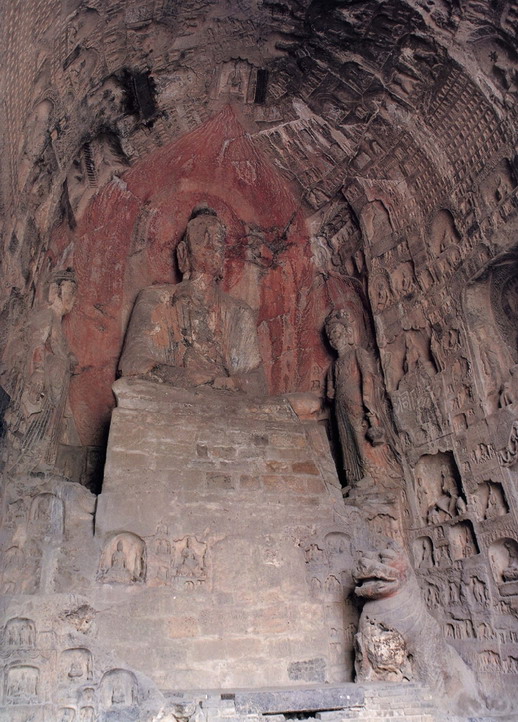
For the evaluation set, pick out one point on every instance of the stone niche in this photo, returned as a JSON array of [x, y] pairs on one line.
[[491, 307], [503, 556], [438, 489], [210, 570]]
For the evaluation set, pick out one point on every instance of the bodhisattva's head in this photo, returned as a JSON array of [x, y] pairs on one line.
[[202, 249], [342, 331], [62, 291]]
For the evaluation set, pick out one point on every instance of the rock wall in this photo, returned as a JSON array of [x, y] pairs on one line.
[[362, 158]]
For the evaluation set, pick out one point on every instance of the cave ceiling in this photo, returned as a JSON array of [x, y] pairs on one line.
[[330, 90]]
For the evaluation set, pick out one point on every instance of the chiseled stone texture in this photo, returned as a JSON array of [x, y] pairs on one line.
[[209, 501]]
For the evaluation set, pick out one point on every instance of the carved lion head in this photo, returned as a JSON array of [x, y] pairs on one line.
[[381, 574]]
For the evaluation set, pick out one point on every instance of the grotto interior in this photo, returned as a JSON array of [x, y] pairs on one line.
[[259, 373]]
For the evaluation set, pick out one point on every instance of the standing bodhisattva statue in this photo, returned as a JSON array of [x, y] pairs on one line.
[[44, 408], [192, 333], [351, 384]]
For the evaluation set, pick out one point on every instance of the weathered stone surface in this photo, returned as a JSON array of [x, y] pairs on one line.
[[361, 156], [301, 700], [225, 559]]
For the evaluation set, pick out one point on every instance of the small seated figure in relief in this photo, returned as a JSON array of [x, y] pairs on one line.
[[118, 696], [193, 334], [76, 671], [123, 560], [118, 570], [351, 384], [191, 564], [510, 573]]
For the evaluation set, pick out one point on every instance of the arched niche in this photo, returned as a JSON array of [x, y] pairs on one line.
[[338, 543], [123, 559], [20, 633], [119, 689], [463, 542], [47, 514], [490, 500], [76, 665], [22, 684], [380, 291]]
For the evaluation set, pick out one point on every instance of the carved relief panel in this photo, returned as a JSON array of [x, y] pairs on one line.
[[123, 560], [503, 555], [174, 561], [76, 665], [118, 689], [328, 569], [21, 684], [438, 489], [19, 633], [490, 501]]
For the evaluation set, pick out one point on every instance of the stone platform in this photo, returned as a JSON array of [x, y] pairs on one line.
[[381, 702], [211, 571]]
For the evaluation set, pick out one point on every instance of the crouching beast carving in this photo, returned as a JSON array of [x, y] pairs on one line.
[[399, 640]]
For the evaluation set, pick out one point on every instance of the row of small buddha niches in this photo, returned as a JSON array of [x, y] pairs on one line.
[[259, 383]]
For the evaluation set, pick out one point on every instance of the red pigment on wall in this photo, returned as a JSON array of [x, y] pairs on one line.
[[126, 238]]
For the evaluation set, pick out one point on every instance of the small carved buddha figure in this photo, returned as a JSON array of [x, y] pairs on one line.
[[75, 671], [191, 563], [118, 557], [193, 334], [118, 570], [381, 294], [510, 573], [118, 694]]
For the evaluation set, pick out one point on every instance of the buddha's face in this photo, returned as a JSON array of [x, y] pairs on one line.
[[204, 240], [342, 335]]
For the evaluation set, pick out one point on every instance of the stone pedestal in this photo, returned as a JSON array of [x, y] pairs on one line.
[[208, 526]]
